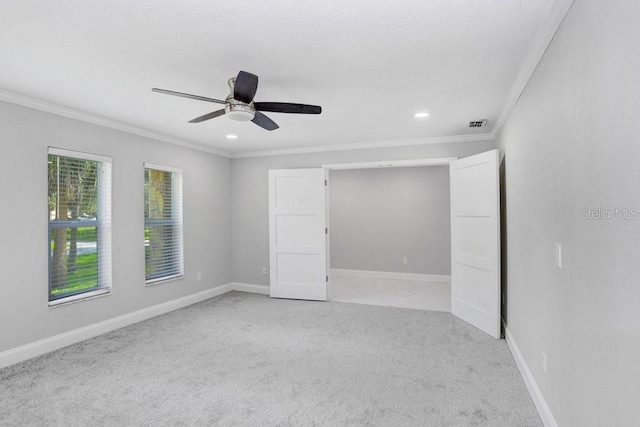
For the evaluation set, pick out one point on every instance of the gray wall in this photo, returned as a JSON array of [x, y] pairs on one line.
[[250, 198], [379, 216], [573, 143], [24, 136]]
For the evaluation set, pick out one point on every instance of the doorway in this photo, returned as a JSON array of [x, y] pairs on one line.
[[299, 239], [390, 241]]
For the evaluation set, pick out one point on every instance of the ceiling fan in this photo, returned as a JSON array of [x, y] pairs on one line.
[[239, 104]]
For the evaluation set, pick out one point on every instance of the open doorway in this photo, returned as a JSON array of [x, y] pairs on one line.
[[299, 237], [390, 235]]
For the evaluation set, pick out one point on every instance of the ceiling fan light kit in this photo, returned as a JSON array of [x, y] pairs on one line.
[[240, 113], [239, 105]]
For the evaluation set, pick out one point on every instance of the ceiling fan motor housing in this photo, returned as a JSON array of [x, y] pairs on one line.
[[238, 110]]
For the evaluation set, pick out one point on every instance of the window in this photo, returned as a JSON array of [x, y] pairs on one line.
[[79, 200], [162, 223]]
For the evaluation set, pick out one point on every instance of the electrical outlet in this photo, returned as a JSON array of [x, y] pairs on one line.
[[544, 363], [198, 276], [264, 271], [558, 255], [404, 260]]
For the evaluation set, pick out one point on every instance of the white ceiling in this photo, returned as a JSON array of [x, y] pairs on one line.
[[370, 64]]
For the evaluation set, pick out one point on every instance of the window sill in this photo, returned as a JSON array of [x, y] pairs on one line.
[[80, 297], [161, 280]]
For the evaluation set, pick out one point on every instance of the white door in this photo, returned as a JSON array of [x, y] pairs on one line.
[[297, 242], [475, 241]]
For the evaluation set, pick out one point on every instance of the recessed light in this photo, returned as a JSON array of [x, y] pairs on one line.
[[421, 115], [232, 136]]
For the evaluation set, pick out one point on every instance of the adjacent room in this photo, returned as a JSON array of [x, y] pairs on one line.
[[275, 213], [390, 236]]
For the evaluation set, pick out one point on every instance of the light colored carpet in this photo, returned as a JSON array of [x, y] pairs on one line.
[[245, 359], [418, 294]]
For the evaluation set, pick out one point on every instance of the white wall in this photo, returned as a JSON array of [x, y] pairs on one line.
[[380, 216], [250, 201], [24, 136], [573, 143]]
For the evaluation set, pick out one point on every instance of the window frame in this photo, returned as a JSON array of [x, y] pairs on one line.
[[102, 224], [176, 221]]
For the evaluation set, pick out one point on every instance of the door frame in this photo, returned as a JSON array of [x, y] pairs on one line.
[[326, 168], [441, 161]]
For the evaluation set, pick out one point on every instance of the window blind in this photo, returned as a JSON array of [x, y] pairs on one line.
[[163, 223], [79, 209]]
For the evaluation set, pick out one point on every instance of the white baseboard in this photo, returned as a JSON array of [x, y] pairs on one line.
[[392, 275], [248, 287], [28, 351], [534, 391]]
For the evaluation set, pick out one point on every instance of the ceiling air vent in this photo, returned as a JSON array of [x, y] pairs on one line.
[[478, 124]]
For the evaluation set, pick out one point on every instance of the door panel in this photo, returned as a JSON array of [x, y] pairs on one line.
[[296, 269], [295, 191], [296, 230], [475, 241]]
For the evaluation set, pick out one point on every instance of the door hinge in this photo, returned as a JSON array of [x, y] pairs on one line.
[[327, 279], [325, 183], [326, 231]]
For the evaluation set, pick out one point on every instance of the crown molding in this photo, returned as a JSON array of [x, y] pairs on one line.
[[364, 145], [59, 110], [546, 32]]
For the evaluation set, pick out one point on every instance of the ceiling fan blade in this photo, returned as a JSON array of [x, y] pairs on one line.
[[264, 121], [208, 116], [245, 87], [287, 107], [187, 95]]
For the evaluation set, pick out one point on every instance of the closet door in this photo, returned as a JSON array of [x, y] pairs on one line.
[[475, 241], [297, 239]]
